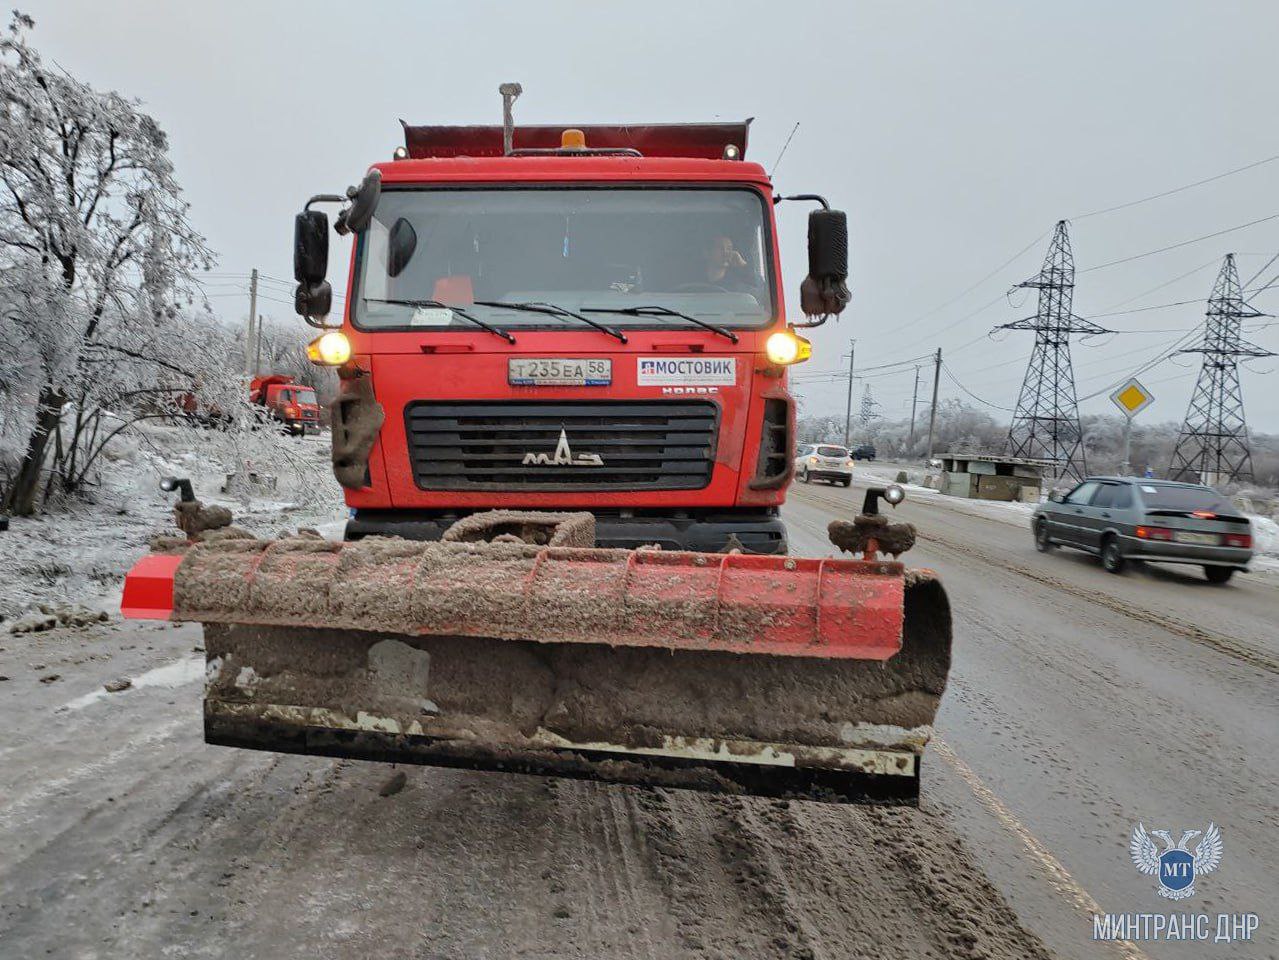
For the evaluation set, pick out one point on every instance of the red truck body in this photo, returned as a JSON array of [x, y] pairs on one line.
[[293, 404], [452, 412]]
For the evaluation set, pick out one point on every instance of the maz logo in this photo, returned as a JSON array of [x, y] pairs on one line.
[[563, 456]]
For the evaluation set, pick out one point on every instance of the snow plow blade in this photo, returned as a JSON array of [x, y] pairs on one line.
[[722, 672]]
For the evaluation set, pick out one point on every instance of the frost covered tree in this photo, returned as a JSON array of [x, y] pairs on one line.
[[97, 263]]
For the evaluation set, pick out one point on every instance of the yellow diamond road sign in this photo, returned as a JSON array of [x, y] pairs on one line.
[[1132, 398]]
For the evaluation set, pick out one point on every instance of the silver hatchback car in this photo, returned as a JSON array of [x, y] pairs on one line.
[[1126, 518]]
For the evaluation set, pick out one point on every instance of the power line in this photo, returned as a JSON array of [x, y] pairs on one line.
[[1146, 309], [963, 293], [1166, 283], [1169, 193], [1175, 246], [1163, 355], [955, 380], [843, 374], [1159, 358], [1261, 271], [1084, 216]]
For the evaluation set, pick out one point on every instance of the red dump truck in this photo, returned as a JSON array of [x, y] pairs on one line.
[[564, 433], [292, 404]]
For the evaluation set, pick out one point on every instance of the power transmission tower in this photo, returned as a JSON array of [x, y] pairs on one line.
[[1046, 422], [868, 406], [1212, 446]]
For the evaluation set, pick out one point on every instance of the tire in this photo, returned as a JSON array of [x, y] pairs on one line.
[[1219, 574], [848, 483], [1042, 541], [1112, 555], [805, 478]]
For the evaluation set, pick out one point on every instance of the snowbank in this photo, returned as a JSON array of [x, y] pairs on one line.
[[79, 553], [1015, 513], [1265, 536], [1265, 543]]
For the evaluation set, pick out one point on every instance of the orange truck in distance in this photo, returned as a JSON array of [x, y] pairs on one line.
[[292, 404]]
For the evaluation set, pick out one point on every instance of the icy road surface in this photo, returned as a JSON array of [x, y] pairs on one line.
[[1080, 703]]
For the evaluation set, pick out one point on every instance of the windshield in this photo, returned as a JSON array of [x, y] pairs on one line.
[[303, 395], [837, 452], [702, 252], [1158, 496]]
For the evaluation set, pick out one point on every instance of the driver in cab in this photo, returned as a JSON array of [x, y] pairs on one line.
[[725, 268]]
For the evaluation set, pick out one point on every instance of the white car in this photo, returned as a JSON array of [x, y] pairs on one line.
[[824, 461]]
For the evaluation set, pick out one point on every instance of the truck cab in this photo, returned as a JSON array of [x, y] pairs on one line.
[[591, 320]]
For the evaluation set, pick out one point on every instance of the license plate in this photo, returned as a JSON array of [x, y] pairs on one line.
[[559, 372], [1203, 539]]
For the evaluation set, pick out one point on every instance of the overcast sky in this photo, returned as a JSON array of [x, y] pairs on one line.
[[954, 134]]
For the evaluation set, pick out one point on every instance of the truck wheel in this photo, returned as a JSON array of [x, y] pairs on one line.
[[1042, 542], [1112, 557], [1219, 574]]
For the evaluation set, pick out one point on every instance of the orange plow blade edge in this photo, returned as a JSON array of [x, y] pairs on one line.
[[779, 676]]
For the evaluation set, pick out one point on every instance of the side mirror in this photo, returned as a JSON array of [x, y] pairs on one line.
[[357, 217], [1056, 496], [310, 247], [824, 292], [401, 244]]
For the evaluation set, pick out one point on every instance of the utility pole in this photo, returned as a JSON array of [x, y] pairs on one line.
[[1125, 468], [848, 407], [914, 402], [932, 413], [257, 356], [253, 312]]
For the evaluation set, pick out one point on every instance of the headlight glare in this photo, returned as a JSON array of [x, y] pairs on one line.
[[331, 349], [786, 347]]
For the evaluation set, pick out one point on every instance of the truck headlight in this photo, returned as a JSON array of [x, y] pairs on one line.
[[786, 347], [331, 349]]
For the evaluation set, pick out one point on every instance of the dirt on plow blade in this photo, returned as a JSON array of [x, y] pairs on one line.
[[728, 673]]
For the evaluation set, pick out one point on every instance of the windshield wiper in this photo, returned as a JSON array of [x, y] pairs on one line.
[[554, 310], [660, 311], [496, 331]]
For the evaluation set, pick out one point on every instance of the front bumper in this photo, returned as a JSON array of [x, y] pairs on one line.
[[756, 532]]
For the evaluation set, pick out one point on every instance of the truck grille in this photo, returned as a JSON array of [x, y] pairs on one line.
[[531, 445]]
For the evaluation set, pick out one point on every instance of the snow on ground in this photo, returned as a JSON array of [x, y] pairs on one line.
[[1265, 543], [1017, 514], [80, 551]]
